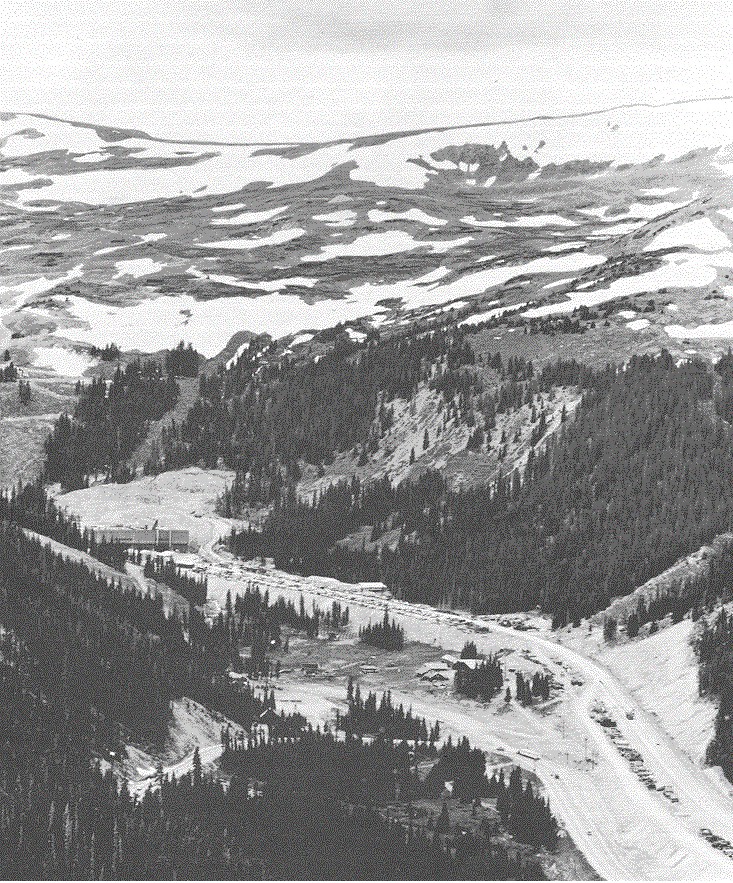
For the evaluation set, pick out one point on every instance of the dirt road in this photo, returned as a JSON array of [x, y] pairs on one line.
[[624, 829]]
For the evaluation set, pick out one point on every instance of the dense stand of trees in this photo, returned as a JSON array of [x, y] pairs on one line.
[[183, 361], [8, 373], [265, 415], [255, 622], [108, 353], [462, 765], [724, 393], [86, 665], [110, 420], [526, 814], [639, 477], [482, 682], [61, 817], [714, 648], [302, 534], [693, 592], [112, 648], [368, 715], [387, 634], [538, 686], [164, 570], [24, 391], [362, 777], [30, 507]]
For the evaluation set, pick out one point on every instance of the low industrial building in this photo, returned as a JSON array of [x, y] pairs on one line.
[[155, 539], [378, 588]]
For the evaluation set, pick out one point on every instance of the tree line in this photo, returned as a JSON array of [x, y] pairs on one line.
[[86, 666], [638, 478], [482, 682], [110, 420], [387, 634], [29, 506], [714, 650], [368, 715], [164, 570], [268, 413]]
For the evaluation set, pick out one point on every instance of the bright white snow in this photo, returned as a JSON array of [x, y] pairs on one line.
[[491, 314], [701, 234], [677, 271], [162, 322], [564, 246], [627, 135], [389, 242], [272, 285], [249, 217], [414, 214], [24, 291], [337, 219], [722, 330], [279, 237], [137, 267], [63, 361]]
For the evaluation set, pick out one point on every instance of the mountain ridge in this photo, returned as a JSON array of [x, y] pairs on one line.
[[125, 132]]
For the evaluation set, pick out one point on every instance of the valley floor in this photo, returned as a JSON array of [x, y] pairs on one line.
[[625, 828], [634, 797]]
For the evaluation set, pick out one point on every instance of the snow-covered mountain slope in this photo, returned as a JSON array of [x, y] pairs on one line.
[[120, 166], [111, 235]]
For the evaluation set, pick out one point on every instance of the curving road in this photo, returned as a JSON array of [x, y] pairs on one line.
[[625, 830]]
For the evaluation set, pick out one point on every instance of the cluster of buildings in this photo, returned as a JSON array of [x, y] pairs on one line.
[[441, 671]]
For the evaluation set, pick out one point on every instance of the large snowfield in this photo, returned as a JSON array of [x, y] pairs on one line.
[[633, 134], [197, 242]]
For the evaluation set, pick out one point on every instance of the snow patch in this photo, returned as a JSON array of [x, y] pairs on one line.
[[279, 237], [337, 219], [678, 271], [62, 361], [161, 323], [414, 214], [374, 244], [701, 234], [564, 246], [137, 267], [722, 330], [491, 314], [249, 217]]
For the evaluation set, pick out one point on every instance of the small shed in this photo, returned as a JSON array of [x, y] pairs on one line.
[[437, 677], [471, 664], [379, 588], [428, 667]]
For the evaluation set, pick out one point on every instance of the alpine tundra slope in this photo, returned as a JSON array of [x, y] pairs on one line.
[[115, 236], [625, 829]]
